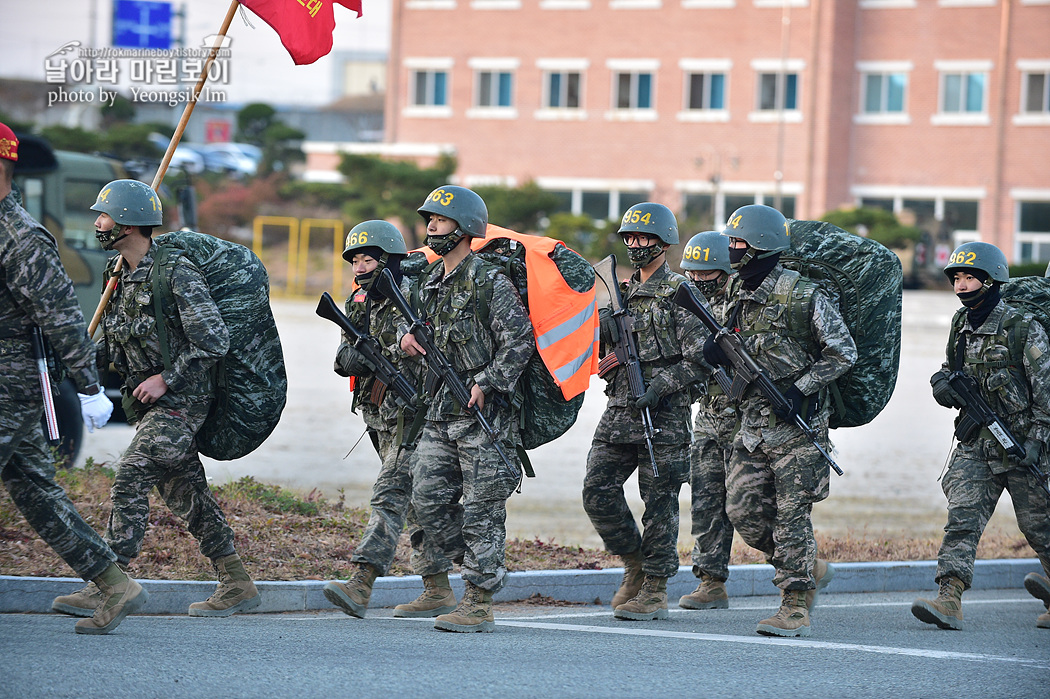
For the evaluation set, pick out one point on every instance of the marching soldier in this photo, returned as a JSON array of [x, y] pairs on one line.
[[1006, 352], [371, 247], [36, 293], [705, 261], [798, 337], [482, 328], [168, 407], [670, 347]]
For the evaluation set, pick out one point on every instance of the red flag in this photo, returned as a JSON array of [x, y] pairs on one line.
[[305, 26]]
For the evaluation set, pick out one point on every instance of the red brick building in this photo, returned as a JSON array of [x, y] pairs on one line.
[[939, 107]]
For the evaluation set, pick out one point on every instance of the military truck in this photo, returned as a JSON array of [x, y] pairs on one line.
[[57, 188]]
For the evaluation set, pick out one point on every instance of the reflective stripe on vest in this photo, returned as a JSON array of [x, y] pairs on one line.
[[565, 321]]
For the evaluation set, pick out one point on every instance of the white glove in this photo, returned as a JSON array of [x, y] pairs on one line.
[[95, 409]]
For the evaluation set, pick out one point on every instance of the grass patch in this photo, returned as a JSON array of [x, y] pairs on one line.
[[285, 535]]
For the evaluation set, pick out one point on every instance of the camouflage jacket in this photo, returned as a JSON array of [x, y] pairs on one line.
[[197, 335], [717, 416], [380, 319], [808, 357], [35, 290], [488, 349], [1018, 391], [670, 344]]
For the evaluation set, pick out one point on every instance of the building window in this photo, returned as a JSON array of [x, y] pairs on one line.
[[562, 90], [963, 92], [494, 88], [633, 90], [773, 97], [1036, 93], [705, 91], [884, 93], [430, 88]]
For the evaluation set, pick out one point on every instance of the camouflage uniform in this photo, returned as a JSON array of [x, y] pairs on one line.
[[389, 425], [670, 346], [775, 473], [980, 470], [35, 290], [163, 452], [454, 458], [713, 432]]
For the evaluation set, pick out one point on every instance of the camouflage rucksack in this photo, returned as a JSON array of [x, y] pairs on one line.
[[865, 280], [1027, 295], [251, 385]]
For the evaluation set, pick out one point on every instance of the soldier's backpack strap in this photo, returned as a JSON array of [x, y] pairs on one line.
[[1016, 326], [163, 298]]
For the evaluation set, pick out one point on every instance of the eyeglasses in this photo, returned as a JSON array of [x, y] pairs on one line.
[[642, 240]]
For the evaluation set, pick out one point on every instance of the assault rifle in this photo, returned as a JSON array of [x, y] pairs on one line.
[[746, 371], [36, 338], [387, 374], [625, 351], [439, 369], [976, 413]]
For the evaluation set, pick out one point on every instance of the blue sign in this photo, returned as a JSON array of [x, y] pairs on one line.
[[141, 25]]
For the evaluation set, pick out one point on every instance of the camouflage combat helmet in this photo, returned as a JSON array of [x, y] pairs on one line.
[[652, 219], [130, 203], [460, 204], [374, 234], [983, 256], [762, 227], [706, 251]]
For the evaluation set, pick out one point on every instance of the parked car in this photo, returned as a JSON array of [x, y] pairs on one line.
[[185, 157], [235, 158]]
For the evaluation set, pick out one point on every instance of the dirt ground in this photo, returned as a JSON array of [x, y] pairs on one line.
[[891, 465]]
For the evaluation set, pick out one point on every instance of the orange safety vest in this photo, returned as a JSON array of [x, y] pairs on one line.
[[564, 321]]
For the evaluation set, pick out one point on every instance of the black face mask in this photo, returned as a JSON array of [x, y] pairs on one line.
[[106, 239], [640, 257], [757, 269], [981, 303], [443, 244], [708, 287], [736, 255]]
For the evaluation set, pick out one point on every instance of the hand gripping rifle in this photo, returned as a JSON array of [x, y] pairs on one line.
[[976, 413], [746, 371], [385, 371], [439, 369], [625, 351], [36, 338]]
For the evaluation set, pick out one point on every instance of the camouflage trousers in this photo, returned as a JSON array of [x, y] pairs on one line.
[[27, 467], [455, 461], [711, 529], [973, 490], [392, 510], [163, 453], [609, 465], [769, 498]]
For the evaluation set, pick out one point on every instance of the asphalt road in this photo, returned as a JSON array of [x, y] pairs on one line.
[[863, 645]]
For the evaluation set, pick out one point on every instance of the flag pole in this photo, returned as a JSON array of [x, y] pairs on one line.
[[111, 285]]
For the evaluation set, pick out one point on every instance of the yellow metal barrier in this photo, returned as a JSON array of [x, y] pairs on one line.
[[299, 248], [307, 225]]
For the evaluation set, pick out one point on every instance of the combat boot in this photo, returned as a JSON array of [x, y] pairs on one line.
[[823, 572], [632, 578], [474, 613], [792, 619], [946, 610], [353, 595], [119, 596], [437, 599], [1039, 587], [235, 593], [709, 594], [83, 602], [650, 602]]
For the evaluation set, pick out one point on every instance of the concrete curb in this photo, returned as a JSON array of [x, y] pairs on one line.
[[26, 594]]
